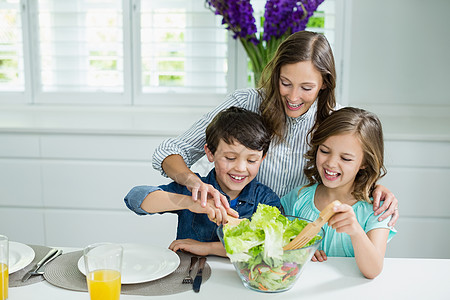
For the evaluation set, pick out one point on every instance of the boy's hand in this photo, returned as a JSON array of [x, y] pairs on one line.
[[189, 245], [319, 255], [345, 220], [215, 214], [389, 207]]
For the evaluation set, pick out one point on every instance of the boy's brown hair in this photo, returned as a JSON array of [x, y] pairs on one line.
[[238, 124]]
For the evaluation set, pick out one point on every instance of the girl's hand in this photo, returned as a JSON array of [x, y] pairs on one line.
[[319, 255], [345, 220], [390, 205], [189, 245]]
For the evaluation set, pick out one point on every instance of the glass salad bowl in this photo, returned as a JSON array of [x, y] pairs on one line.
[[261, 273]]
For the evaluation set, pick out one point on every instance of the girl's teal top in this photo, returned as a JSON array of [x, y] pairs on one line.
[[334, 243]]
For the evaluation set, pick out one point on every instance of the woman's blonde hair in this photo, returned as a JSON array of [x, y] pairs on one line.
[[368, 130], [298, 47]]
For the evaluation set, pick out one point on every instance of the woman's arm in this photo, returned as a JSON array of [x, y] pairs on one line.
[[369, 248], [390, 205], [175, 156]]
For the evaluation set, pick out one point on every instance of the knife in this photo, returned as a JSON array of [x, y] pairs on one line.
[[198, 278], [39, 264]]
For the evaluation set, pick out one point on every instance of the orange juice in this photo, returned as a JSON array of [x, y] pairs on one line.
[[104, 284], [3, 281]]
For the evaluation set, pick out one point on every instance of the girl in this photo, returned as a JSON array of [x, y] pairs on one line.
[[344, 163]]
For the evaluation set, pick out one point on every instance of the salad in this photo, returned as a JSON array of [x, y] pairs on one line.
[[256, 249]]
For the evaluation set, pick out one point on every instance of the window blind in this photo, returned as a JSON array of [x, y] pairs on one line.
[[183, 48], [129, 52], [11, 47], [80, 46]]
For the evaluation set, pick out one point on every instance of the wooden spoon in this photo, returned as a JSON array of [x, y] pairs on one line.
[[312, 229]]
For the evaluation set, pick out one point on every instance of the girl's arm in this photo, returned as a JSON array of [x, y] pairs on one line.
[[160, 201], [369, 251], [369, 248], [389, 207]]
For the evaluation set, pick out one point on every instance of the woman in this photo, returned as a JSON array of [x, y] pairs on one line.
[[297, 92]]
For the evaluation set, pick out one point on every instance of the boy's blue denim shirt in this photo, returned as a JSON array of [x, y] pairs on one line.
[[198, 226]]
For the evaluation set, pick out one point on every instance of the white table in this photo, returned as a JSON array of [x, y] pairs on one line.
[[337, 278]]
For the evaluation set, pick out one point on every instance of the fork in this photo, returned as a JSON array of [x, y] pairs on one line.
[[188, 278]]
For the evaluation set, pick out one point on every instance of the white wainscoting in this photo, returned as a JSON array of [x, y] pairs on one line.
[[66, 186]]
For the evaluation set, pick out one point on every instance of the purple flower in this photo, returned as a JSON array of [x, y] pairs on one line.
[[287, 16], [281, 17], [237, 15]]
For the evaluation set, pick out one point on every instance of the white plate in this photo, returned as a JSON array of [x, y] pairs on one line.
[[142, 263], [20, 256]]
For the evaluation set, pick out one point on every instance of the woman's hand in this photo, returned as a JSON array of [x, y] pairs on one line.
[[203, 191], [319, 255], [176, 168], [389, 207]]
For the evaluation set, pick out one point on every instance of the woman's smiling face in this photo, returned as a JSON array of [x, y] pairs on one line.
[[300, 84]]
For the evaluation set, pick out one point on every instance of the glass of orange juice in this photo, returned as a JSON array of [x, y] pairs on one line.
[[4, 257], [103, 263]]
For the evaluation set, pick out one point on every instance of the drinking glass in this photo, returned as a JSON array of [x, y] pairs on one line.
[[103, 263], [4, 257]]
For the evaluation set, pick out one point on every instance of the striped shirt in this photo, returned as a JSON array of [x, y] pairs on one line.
[[281, 170]]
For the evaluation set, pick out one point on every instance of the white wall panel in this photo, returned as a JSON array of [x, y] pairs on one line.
[[421, 238], [20, 183], [416, 153], [78, 228], [19, 145], [23, 225], [93, 184], [99, 147], [420, 191], [399, 52]]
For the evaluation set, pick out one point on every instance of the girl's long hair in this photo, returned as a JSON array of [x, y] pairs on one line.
[[368, 130], [298, 47]]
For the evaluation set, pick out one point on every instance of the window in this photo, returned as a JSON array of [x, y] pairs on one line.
[[11, 48], [122, 52]]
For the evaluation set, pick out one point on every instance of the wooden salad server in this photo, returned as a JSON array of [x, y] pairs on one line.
[[312, 229], [232, 221]]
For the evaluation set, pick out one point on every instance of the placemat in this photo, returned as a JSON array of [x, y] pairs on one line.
[[15, 279], [63, 272]]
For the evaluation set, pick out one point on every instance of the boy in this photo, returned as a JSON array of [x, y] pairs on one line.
[[237, 142]]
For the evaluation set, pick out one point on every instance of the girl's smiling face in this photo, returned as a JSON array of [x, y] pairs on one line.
[[300, 84], [339, 159]]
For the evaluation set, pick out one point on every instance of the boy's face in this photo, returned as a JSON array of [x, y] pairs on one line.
[[235, 166]]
